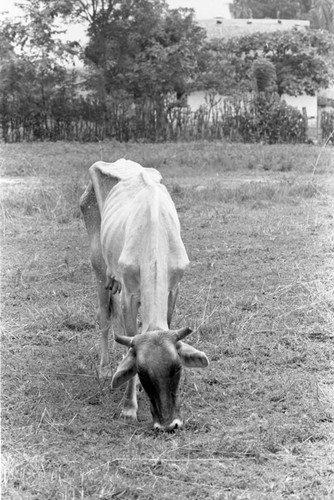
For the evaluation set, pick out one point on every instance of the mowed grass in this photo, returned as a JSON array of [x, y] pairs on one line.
[[257, 222]]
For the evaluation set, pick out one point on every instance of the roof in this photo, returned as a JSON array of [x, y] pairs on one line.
[[230, 28]]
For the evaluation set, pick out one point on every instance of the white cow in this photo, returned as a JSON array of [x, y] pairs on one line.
[[139, 258]]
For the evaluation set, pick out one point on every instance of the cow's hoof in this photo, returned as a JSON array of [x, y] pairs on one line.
[[130, 414], [105, 372]]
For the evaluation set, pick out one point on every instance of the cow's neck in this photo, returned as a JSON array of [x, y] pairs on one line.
[[154, 284]]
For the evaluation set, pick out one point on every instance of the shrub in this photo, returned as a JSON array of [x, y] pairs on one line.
[[272, 121]]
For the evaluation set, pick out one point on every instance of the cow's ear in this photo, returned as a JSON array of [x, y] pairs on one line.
[[191, 357], [125, 371]]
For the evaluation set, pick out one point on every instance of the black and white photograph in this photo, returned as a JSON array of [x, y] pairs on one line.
[[167, 249]]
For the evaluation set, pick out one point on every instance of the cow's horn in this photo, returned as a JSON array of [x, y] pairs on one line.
[[122, 339], [182, 333]]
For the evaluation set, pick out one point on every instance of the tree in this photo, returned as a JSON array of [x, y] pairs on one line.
[[322, 15], [283, 9], [137, 49], [140, 46], [303, 61], [32, 69], [37, 35], [145, 48]]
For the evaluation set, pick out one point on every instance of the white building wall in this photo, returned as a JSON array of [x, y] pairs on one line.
[[309, 102], [200, 98]]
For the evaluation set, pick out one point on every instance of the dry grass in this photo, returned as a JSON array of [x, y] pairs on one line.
[[258, 293], [192, 159]]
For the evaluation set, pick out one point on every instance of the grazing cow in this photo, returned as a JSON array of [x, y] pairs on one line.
[[139, 258]]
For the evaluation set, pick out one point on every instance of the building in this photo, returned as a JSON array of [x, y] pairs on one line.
[[221, 27]]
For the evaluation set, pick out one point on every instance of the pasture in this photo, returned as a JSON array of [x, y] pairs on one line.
[[257, 222]]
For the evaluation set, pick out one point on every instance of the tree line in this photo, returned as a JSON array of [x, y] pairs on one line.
[[140, 62], [320, 13]]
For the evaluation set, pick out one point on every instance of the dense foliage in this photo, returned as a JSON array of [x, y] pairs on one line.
[[146, 50], [319, 12], [322, 15], [301, 60], [273, 121]]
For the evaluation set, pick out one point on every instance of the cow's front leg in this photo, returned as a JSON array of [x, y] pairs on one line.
[[172, 296], [104, 313], [130, 307]]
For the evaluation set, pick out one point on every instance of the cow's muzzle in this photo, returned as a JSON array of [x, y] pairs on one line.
[[173, 426]]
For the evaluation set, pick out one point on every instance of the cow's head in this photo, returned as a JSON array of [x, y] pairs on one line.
[[157, 357]]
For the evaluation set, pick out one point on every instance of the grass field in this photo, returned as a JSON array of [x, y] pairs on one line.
[[258, 225]]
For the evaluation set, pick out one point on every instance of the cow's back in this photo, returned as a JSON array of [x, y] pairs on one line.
[[140, 223]]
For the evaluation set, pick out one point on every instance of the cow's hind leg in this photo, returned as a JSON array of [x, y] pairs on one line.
[[92, 217]]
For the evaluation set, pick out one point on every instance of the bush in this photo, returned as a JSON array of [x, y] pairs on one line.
[[272, 121]]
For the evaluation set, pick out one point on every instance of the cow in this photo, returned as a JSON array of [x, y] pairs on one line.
[[139, 259]]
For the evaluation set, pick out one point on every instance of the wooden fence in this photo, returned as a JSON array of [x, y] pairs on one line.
[[243, 119]]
